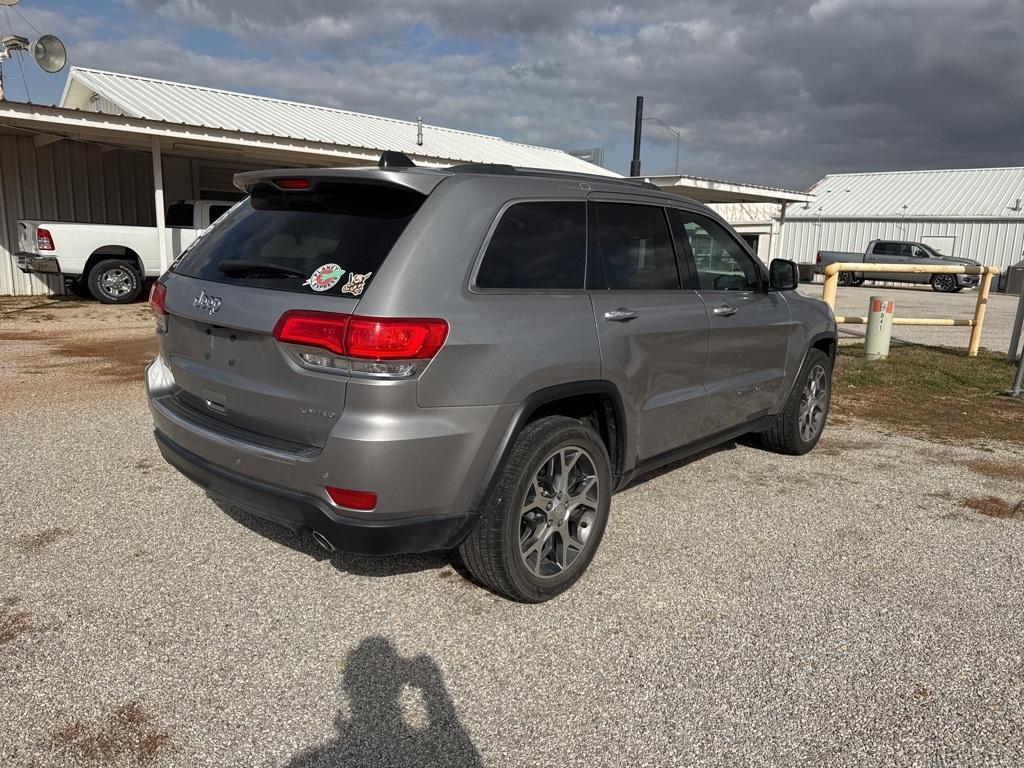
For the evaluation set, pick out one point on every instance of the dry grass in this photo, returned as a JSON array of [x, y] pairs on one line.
[[998, 470], [126, 737], [993, 506], [933, 392], [35, 543], [13, 623]]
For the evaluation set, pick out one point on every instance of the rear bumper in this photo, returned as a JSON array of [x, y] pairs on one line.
[[298, 511], [33, 262]]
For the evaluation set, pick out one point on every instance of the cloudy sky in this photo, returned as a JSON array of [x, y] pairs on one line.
[[776, 93]]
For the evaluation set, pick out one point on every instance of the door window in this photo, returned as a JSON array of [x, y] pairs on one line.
[[721, 262], [635, 247], [537, 246]]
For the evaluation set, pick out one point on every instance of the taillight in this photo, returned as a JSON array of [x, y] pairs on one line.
[[363, 338], [385, 338], [313, 329], [292, 183], [44, 240], [158, 299], [361, 500], [817, 259]]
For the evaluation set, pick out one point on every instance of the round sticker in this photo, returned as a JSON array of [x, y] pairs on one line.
[[325, 277]]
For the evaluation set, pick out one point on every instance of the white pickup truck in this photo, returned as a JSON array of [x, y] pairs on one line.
[[109, 262]]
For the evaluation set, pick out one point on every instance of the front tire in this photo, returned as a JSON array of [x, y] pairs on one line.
[[944, 283], [857, 282], [799, 426], [545, 513], [115, 281], [845, 279]]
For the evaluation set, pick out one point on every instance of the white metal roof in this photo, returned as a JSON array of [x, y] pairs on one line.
[[142, 97], [708, 190], [956, 193]]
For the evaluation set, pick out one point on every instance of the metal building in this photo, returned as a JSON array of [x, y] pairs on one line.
[[118, 147], [975, 213]]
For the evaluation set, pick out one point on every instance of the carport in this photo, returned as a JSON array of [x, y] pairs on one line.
[[120, 144], [757, 213]]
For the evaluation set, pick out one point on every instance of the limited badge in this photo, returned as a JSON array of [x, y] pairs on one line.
[[325, 277], [355, 283]]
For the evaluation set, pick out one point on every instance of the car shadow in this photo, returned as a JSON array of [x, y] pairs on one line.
[[399, 714], [357, 565]]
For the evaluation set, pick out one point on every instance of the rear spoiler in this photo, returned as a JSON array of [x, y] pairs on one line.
[[391, 170]]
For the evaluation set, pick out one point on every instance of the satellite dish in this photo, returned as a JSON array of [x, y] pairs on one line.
[[50, 52]]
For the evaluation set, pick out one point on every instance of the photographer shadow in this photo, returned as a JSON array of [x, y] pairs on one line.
[[383, 728]]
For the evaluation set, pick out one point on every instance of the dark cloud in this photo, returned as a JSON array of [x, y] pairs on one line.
[[776, 93]]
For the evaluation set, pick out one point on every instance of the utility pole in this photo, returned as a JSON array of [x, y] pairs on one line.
[[634, 167]]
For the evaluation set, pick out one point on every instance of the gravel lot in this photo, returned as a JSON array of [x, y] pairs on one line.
[[915, 301], [744, 609]]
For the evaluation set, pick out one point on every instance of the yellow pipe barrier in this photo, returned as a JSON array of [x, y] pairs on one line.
[[828, 294]]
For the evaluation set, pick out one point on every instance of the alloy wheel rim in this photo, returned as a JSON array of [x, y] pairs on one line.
[[116, 282], [813, 402], [945, 282], [558, 512]]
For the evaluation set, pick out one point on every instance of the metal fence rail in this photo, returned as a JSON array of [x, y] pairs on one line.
[[828, 295]]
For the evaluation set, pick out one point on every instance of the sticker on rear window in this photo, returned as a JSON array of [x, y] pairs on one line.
[[355, 283], [325, 277]]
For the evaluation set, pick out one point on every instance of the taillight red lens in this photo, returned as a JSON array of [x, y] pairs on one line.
[[366, 338], [361, 500], [44, 240], [386, 338], [158, 298], [292, 183], [817, 258], [325, 330]]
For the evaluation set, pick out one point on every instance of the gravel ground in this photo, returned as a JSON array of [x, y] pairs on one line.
[[744, 609], [913, 301]]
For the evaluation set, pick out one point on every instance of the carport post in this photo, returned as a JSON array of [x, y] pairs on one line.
[[158, 200]]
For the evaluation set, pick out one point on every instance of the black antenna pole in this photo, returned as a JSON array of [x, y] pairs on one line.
[[634, 167]]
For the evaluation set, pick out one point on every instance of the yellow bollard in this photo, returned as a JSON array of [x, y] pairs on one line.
[[979, 310]]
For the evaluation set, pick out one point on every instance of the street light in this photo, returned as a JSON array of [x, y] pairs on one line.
[[671, 130]]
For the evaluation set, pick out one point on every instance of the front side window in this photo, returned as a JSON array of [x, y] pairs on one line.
[[635, 247], [537, 246], [721, 262]]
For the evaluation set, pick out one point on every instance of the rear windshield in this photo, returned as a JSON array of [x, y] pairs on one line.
[[330, 240]]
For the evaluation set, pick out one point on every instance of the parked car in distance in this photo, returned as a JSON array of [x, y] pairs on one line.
[[106, 261], [900, 252], [403, 359]]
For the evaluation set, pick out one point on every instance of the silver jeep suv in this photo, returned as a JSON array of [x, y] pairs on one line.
[[476, 358]]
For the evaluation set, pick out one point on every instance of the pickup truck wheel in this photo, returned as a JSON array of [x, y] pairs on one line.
[[799, 426], [944, 283], [845, 279], [545, 513], [115, 281], [857, 282]]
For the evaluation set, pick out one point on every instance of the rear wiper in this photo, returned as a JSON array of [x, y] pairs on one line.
[[245, 267]]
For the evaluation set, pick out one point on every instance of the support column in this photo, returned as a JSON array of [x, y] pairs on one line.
[[158, 200], [777, 246]]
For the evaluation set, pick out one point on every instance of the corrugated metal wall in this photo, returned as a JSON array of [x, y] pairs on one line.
[[999, 243], [66, 181]]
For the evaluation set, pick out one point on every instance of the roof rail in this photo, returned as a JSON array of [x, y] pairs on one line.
[[508, 170]]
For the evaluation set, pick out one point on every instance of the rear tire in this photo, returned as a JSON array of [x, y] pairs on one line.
[[799, 426], [845, 279], [545, 513], [857, 282], [944, 283], [115, 281]]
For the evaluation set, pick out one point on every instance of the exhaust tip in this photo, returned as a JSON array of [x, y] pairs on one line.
[[323, 541]]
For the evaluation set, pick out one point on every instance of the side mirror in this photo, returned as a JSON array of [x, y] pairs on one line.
[[783, 275]]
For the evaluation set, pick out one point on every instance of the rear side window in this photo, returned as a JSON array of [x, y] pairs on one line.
[[635, 247], [537, 246], [179, 215], [216, 211], [329, 240]]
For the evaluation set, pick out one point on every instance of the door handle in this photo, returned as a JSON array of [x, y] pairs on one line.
[[724, 310], [621, 315]]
